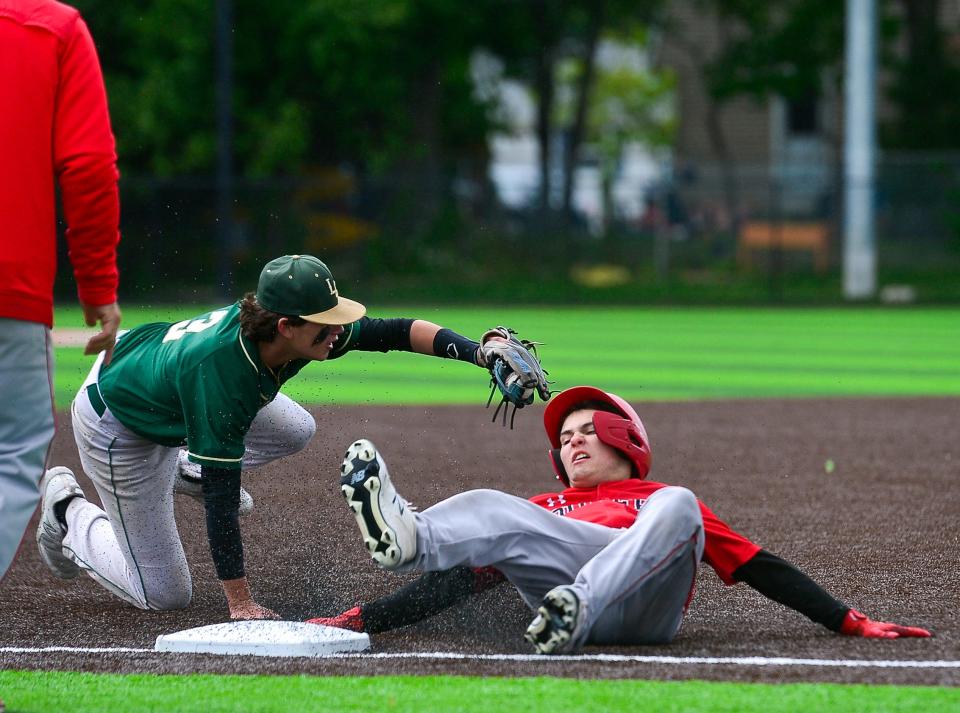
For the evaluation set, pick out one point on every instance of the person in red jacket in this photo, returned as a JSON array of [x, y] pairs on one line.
[[54, 130], [610, 559]]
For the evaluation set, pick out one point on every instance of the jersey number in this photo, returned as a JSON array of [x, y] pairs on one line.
[[192, 326]]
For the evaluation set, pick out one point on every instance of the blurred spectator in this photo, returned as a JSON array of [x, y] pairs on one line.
[[653, 218]]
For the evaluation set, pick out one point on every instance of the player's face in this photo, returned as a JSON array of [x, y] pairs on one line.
[[312, 341], [588, 460]]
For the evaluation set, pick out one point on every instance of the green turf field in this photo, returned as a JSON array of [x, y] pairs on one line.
[[82, 693], [657, 354], [642, 354]]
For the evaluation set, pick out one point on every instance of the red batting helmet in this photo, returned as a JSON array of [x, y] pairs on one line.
[[626, 434]]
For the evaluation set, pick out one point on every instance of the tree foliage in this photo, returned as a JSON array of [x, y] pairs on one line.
[[926, 81], [782, 47], [791, 48], [315, 81], [385, 84]]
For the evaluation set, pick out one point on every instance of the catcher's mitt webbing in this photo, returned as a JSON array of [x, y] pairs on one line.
[[515, 371]]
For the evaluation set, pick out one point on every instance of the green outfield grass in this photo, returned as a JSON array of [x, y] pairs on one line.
[[642, 354], [80, 692]]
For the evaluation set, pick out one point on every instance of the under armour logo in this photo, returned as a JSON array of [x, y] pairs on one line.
[[452, 352]]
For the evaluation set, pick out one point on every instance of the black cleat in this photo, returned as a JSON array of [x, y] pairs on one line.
[[556, 628]]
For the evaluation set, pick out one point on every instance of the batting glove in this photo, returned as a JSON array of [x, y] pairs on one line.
[[351, 619], [857, 624]]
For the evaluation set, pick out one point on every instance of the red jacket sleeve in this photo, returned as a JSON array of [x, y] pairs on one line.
[[724, 549], [84, 156]]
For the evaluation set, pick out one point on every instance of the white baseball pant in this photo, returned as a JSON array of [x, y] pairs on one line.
[[131, 546], [635, 583]]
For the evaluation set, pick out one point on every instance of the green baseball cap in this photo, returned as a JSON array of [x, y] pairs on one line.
[[303, 286]]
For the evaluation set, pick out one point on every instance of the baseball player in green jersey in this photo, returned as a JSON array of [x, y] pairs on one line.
[[212, 384]]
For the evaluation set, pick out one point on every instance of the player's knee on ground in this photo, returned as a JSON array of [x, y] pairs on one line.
[[170, 596]]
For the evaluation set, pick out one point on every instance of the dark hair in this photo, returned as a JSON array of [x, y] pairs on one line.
[[259, 324]]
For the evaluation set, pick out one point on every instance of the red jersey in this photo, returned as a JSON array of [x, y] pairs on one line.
[[615, 504], [54, 125]]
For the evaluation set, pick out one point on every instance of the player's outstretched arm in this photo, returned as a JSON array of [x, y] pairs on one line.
[[512, 363], [777, 579], [433, 340], [424, 597]]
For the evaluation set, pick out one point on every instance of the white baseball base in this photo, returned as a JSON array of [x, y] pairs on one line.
[[264, 638]]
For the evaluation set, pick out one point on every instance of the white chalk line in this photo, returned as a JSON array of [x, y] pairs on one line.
[[70, 650], [535, 658], [679, 660]]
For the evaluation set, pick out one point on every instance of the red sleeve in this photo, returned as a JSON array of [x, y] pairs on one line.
[[85, 160], [724, 549]]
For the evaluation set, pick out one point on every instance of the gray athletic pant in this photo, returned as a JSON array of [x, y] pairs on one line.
[[634, 583], [132, 546], [26, 427]]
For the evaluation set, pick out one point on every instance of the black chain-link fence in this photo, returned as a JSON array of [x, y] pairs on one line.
[[708, 231]]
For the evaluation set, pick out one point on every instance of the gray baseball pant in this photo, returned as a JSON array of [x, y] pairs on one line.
[[26, 427], [131, 546], [634, 583]]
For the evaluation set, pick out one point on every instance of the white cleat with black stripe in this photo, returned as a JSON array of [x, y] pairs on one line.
[[386, 520]]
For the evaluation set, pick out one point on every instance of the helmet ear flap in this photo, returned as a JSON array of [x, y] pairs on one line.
[[558, 466], [625, 436]]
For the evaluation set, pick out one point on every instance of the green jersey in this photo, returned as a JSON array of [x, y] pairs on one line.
[[198, 382]]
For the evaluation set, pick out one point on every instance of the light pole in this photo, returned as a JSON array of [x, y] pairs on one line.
[[859, 240]]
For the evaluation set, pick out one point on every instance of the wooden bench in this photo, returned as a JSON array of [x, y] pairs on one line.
[[762, 235]]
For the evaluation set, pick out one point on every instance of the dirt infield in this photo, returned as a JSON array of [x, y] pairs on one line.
[[879, 532]]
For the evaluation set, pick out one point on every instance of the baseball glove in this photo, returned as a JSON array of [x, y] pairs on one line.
[[514, 368]]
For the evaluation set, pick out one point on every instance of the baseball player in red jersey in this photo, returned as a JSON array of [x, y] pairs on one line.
[[54, 133], [610, 559]]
